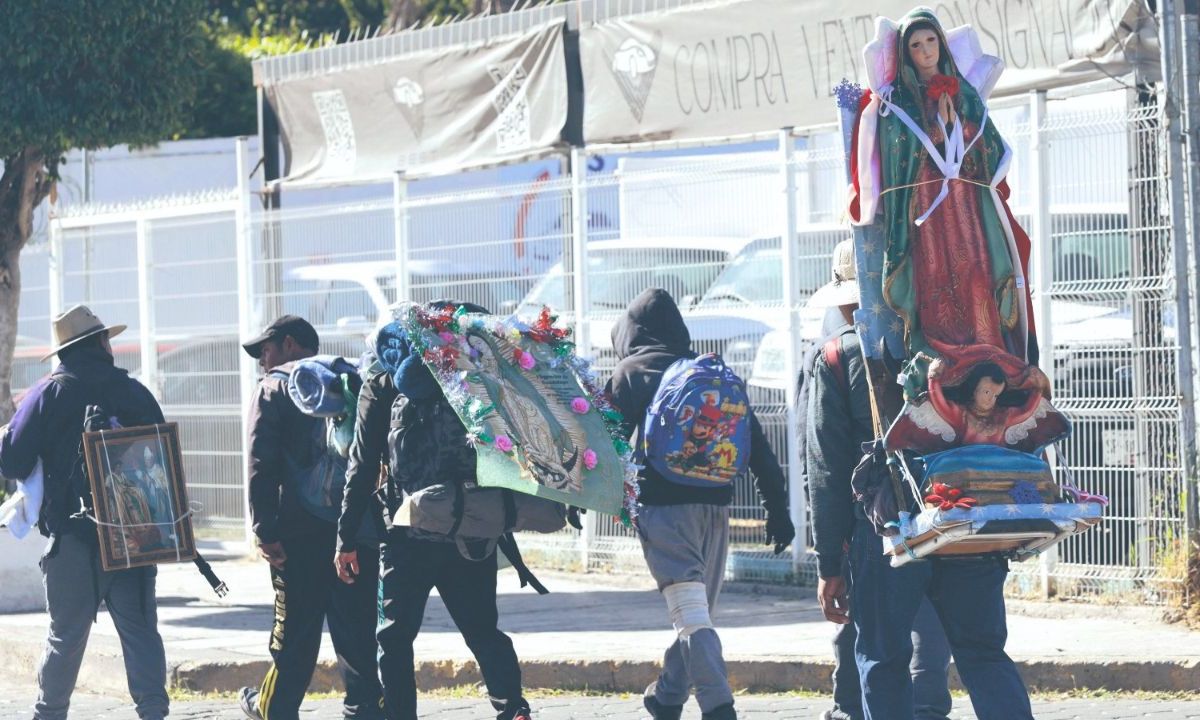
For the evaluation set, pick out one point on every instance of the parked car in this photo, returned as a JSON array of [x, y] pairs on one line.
[[618, 270]]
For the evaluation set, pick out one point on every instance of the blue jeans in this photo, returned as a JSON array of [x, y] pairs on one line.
[[929, 667], [968, 596]]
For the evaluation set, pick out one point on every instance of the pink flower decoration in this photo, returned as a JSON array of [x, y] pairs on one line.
[[580, 405], [527, 361], [446, 337], [590, 459], [504, 443]]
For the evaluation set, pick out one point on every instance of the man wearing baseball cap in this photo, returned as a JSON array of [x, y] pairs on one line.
[[48, 427], [296, 536]]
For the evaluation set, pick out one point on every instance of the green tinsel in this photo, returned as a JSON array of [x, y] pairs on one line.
[[625, 519], [620, 445], [564, 348]]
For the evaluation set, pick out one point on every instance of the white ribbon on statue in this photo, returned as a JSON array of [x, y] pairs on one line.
[[956, 146]]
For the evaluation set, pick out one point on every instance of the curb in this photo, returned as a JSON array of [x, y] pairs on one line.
[[632, 676], [104, 671]]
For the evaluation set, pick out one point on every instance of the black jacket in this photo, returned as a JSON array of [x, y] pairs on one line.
[[48, 426], [837, 424], [281, 445], [368, 455], [648, 339]]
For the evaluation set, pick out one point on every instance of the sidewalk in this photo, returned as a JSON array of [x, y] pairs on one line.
[[598, 632]]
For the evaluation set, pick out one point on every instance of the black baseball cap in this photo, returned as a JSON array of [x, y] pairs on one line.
[[295, 326]]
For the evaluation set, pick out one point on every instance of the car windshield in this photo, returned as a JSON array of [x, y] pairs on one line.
[[1083, 256], [326, 302], [616, 276], [754, 277]]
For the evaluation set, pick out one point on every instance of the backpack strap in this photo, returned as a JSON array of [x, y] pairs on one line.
[[834, 359], [510, 510], [508, 545]]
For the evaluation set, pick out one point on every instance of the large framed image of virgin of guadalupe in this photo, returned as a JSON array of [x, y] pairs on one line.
[[140, 500]]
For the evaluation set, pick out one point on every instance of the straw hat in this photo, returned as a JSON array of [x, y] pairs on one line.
[[76, 324], [843, 290]]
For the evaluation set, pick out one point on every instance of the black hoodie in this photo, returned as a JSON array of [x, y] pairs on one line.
[[648, 339]]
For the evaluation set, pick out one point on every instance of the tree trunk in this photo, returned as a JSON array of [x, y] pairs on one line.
[[24, 184]]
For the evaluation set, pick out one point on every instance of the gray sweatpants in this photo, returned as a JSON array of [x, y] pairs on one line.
[[74, 586], [688, 543]]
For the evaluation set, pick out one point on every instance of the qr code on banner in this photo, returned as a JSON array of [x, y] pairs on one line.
[[512, 126], [340, 153], [512, 107]]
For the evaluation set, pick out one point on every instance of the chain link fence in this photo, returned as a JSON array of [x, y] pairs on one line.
[[707, 225]]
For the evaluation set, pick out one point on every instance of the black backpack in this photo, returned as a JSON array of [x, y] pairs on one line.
[[68, 496], [73, 495], [427, 446]]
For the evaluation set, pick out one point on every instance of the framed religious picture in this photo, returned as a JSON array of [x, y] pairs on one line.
[[140, 499]]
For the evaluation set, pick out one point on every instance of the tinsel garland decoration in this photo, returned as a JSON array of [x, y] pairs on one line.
[[439, 336]]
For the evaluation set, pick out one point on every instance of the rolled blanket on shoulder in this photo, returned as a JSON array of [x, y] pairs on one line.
[[395, 354], [315, 385]]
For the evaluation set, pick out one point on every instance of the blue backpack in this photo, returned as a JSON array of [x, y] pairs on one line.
[[697, 429]]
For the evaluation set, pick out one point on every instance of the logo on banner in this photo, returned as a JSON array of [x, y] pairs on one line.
[[410, 99], [340, 151], [634, 65], [513, 132]]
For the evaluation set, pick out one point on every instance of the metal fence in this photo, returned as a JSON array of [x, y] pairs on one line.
[[1087, 178]]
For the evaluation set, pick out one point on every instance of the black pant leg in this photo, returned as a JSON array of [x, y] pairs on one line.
[[406, 577], [468, 589], [352, 623], [302, 594]]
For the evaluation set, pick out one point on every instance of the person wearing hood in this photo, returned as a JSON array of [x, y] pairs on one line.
[[407, 429], [684, 530]]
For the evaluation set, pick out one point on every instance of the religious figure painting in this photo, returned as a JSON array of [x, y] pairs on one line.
[[140, 501]]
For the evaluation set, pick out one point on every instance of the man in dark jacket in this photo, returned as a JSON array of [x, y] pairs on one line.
[[48, 427], [295, 532], [889, 606], [684, 530], [838, 421], [405, 422]]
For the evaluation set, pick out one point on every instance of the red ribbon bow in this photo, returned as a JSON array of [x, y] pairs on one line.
[[944, 497]]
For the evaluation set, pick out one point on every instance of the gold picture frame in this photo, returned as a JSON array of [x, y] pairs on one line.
[[139, 496]]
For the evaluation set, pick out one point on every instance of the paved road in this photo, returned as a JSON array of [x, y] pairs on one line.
[[13, 702]]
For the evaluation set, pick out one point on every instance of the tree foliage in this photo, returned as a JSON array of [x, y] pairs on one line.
[[95, 73], [81, 74]]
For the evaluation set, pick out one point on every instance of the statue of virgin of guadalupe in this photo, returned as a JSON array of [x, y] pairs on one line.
[[927, 158]]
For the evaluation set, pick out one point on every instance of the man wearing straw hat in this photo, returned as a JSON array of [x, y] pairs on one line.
[[48, 426], [838, 422]]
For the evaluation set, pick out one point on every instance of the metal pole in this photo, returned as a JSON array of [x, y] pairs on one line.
[[1187, 253], [788, 232], [57, 268], [146, 333], [579, 279], [1043, 269], [577, 167], [400, 222], [247, 317], [1181, 225]]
